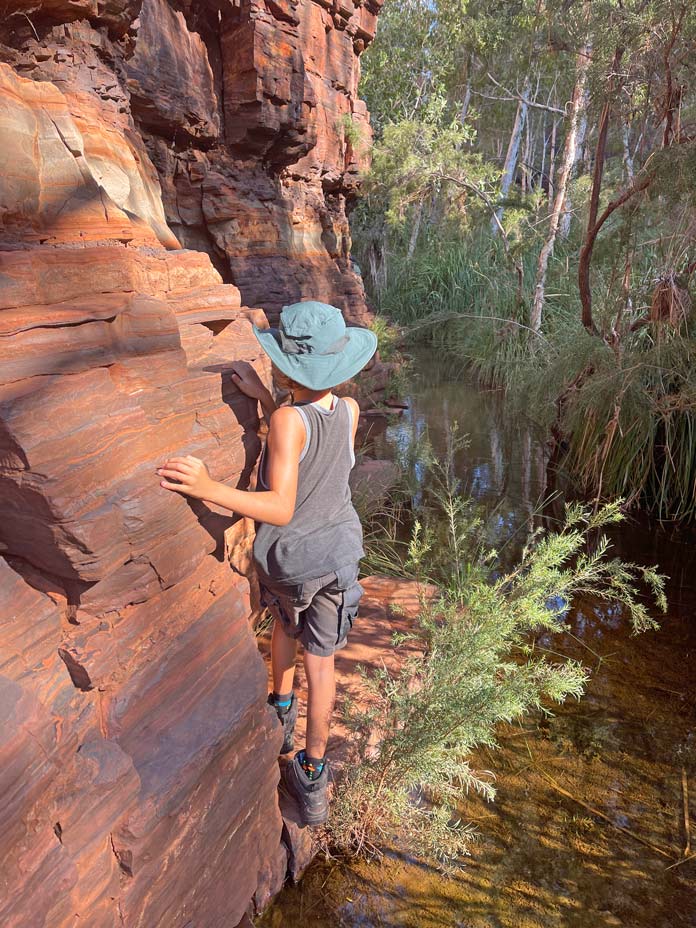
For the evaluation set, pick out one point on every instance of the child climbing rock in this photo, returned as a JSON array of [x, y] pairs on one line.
[[309, 539]]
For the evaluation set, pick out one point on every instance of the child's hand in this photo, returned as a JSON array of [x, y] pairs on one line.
[[245, 377], [192, 476]]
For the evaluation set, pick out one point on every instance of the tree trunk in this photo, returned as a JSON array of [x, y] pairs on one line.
[[377, 258], [627, 157], [586, 251], [542, 170], [642, 182], [582, 132], [552, 159], [570, 148], [512, 154], [524, 160], [466, 102], [587, 152], [413, 241], [673, 94]]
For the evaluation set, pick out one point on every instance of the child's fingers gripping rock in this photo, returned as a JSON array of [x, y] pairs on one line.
[[190, 476], [247, 380]]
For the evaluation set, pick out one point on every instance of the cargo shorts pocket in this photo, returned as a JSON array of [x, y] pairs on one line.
[[283, 608], [349, 610]]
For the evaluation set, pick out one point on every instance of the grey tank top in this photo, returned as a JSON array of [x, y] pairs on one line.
[[324, 533]]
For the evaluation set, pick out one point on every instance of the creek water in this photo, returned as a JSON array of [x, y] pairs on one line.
[[589, 817]]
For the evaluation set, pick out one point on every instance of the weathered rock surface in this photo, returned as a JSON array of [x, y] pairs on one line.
[[137, 755], [170, 80], [248, 110], [371, 481]]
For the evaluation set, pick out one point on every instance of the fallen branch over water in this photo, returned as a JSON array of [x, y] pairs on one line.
[[678, 863]]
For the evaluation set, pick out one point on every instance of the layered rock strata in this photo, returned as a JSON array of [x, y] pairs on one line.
[[137, 755], [248, 110]]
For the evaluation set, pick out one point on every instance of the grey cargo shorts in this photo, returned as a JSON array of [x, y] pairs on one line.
[[318, 613]]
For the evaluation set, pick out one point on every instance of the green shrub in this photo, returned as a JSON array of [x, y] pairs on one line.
[[477, 667], [352, 132]]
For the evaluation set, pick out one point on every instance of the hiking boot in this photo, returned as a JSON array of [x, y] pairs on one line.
[[287, 720], [311, 795]]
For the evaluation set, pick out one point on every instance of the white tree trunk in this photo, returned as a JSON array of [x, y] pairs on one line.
[[512, 153], [552, 159], [526, 158], [543, 151], [569, 154], [582, 132], [413, 241], [627, 157], [466, 102]]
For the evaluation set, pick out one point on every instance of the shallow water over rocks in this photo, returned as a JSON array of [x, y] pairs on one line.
[[589, 816]]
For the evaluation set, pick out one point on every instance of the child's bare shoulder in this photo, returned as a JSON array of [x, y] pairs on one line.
[[353, 405], [286, 418], [286, 434], [354, 408]]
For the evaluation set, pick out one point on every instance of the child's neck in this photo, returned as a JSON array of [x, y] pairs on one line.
[[324, 398]]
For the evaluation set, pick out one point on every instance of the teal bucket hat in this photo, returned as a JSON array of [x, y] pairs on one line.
[[314, 347]]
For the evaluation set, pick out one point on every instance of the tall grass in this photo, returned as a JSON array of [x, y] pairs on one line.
[[632, 425], [445, 276]]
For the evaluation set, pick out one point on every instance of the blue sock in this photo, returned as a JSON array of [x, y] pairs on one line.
[[312, 766], [282, 701]]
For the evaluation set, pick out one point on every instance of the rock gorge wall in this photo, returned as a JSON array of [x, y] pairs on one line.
[[137, 755]]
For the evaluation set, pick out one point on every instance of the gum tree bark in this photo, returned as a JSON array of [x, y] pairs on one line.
[[512, 154], [600, 155], [415, 229], [581, 67], [566, 218]]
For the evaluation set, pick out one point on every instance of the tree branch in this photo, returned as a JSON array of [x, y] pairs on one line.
[[467, 185], [636, 187], [521, 98]]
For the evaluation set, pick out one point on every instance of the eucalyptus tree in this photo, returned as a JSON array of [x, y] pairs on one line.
[[642, 81], [489, 110]]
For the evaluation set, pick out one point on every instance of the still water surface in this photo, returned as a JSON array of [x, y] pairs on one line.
[[589, 814]]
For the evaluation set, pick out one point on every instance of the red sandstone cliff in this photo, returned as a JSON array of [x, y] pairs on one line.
[[137, 756]]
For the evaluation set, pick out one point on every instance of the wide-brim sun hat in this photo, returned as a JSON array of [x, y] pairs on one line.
[[314, 347]]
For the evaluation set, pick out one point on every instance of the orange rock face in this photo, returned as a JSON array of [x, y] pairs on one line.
[[267, 196], [137, 755]]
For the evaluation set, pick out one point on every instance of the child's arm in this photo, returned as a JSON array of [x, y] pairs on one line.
[[285, 441], [248, 381]]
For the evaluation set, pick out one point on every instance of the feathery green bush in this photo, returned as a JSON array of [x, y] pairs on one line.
[[476, 664]]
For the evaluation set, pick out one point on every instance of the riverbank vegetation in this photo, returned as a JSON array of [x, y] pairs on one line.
[[530, 210], [480, 658]]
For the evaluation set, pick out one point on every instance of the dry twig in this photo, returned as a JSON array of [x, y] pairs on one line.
[[687, 824]]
